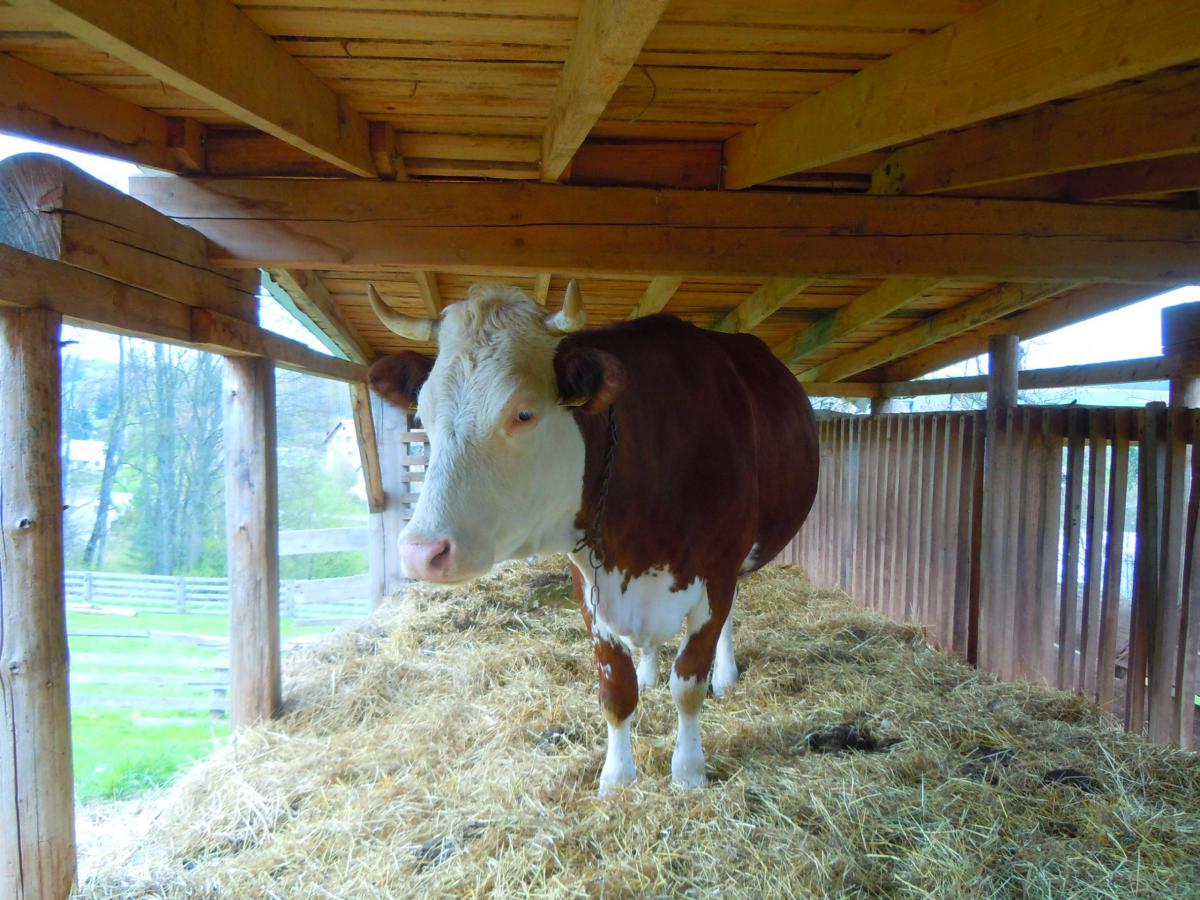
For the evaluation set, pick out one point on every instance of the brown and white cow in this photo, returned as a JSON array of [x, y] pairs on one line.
[[713, 469]]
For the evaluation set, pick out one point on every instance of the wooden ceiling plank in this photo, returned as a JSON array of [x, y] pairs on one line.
[[215, 53], [657, 295], [40, 105], [1085, 303], [876, 303], [431, 295], [1157, 117], [311, 296], [993, 304], [762, 304], [608, 38], [1011, 55], [526, 228], [385, 151]]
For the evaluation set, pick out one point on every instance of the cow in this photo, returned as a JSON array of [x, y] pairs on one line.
[[666, 460]]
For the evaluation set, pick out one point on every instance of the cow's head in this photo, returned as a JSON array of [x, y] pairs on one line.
[[505, 474]]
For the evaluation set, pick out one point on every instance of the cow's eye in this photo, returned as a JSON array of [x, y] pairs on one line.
[[525, 415]]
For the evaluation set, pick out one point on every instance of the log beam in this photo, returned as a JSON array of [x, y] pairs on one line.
[[311, 296], [876, 303], [1033, 51], [252, 540], [531, 228], [608, 39], [541, 287], [762, 304], [37, 806], [657, 295], [977, 311], [1002, 373], [211, 50], [1158, 117], [431, 294], [368, 448]]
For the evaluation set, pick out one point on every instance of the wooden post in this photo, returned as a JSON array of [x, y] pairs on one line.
[[1002, 372], [884, 405], [252, 534], [368, 451], [390, 426], [37, 800], [1181, 339]]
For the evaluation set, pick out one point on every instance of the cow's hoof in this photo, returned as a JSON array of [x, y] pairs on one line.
[[688, 771], [610, 782]]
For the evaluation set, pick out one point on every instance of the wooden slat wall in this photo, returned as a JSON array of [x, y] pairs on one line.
[[1016, 561]]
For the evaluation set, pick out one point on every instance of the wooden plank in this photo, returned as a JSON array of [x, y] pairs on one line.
[[1110, 611], [531, 228], [1043, 626], [1068, 635], [368, 450], [1089, 629], [876, 303], [761, 304], [1146, 566], [1037, 51], [1166, 634], [312, 297], [252, 540], [431, 295], [46, 107], [674, 164], [212, 51], [609, 36], [1059, 312], [1187, 684], [1156, 117], [974, 312], [657, 295], [37, 826], [50, 207], [385, 152]]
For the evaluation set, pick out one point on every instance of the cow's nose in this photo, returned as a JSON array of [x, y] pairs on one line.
[[426, 559]]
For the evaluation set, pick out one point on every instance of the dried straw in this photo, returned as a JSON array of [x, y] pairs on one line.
[[450, 746]]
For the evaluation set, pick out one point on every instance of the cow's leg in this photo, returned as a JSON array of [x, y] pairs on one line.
[[618, 691], [689, 679], [647, 667], [725, 672]]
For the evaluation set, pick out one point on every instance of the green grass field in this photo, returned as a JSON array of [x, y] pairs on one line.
[[120, 752]]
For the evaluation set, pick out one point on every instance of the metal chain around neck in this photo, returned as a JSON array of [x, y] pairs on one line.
[[591, 539]]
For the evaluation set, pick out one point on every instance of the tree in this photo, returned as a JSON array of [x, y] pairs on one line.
[[93, 552]]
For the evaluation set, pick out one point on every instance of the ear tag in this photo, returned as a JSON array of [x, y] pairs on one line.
[[575, 401]]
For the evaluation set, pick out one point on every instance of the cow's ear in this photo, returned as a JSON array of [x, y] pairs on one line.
[[589, 380], [399, 377]]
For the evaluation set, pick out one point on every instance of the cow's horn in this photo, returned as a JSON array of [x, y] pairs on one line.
[[411, 327], [572, 316]]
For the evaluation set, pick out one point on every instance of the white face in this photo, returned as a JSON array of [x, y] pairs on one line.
[[505, 474]]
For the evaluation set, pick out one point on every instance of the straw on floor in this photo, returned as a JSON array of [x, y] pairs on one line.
[[450, 746]]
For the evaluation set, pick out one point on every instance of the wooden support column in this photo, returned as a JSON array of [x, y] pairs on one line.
[[37, 801], [1181, 340], [368, 451], [252, 535], [1002, 373], [885, 405], [390, 427]]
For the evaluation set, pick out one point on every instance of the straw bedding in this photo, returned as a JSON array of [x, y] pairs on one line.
[[450, 746]]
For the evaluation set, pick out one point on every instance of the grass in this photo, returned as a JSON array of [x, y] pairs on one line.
[[119, 753]]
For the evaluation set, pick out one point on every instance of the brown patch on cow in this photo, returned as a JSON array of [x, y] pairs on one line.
[[716, 450], [398, 378]]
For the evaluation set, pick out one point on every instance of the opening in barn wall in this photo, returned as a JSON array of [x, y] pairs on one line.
[[876, 193]]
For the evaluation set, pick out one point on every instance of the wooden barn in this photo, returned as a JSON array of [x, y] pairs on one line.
[[875, 189]]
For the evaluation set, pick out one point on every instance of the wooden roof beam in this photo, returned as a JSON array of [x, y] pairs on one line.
[[1078, 306], [1008, 56], [211, 50], [526, 228], [46, 107], [657, 295], [762, 304], [876, 303], [541, 287], [1158, 117], [309, 293], [608, 40], [977, 311], [431, 294]]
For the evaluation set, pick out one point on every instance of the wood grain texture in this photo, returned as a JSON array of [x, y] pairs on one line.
[[760, 305], [37, 825], [252, 540]]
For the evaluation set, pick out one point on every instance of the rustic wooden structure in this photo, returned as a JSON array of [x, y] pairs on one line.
[[876, 190]]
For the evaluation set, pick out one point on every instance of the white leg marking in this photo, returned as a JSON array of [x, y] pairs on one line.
[[647, 667], [724, 673], [687, 762], [618, 760]]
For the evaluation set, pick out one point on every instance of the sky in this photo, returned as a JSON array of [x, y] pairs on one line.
[[1127, 333]]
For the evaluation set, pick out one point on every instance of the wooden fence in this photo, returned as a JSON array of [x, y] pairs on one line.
[[1008, 538]]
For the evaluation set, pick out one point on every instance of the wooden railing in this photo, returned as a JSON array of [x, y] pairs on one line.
[[1010, 541]]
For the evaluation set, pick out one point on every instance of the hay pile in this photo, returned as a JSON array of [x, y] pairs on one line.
[[450, 746]]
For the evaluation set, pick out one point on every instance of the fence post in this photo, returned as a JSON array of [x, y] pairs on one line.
[[89, 589], [181, 605]]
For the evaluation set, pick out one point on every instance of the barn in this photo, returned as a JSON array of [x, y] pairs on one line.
[[875, 190]]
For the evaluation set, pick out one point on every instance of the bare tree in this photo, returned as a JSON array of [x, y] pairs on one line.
[[93, 551]]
